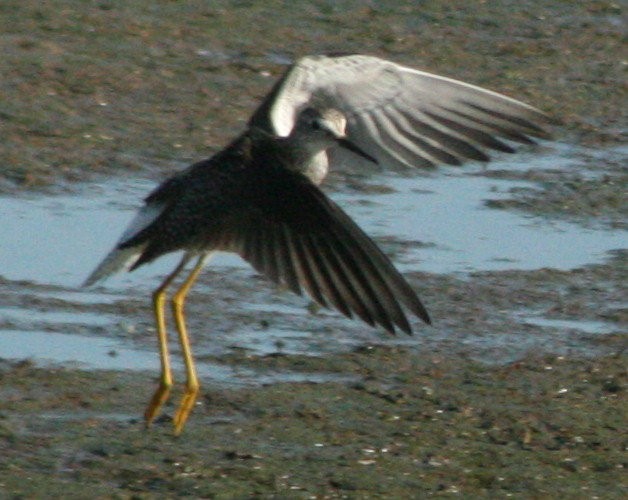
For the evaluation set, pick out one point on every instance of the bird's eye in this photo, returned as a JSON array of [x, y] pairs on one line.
[[316, 125]]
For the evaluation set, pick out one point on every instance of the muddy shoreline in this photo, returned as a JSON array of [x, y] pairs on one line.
[[519, 388], [426, 424]]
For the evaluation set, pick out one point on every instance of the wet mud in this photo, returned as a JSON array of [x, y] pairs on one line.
[[518, 390]]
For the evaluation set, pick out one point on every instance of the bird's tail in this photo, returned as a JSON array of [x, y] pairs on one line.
[[118, 259]]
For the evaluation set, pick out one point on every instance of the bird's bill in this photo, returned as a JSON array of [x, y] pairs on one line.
[[347, 144]]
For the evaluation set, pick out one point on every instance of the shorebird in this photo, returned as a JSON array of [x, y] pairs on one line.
[[259, 196]]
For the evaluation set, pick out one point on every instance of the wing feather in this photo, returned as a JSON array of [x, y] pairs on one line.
[[293, 234], [401, 115]]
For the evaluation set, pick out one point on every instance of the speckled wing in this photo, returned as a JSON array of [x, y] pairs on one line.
[[401, 115], [293, 234]]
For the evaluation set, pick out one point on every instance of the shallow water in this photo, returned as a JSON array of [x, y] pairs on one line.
[[59, 239], [436, 223], [447, 213], [99, 353]]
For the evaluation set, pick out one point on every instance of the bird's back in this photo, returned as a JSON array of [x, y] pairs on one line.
[[249, 200], [197, 205], [191, 201], [179, 210]]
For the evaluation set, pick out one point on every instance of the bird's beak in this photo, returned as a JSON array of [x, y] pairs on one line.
[[347, 144]]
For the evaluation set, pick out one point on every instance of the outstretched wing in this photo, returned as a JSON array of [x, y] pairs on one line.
[[401, 115], [281, 223], [292, 233]]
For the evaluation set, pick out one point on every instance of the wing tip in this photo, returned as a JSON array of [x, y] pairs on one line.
[[403, 324], [116, 260]]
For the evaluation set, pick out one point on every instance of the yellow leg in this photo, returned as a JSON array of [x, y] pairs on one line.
[[165, 381], [192, 385]]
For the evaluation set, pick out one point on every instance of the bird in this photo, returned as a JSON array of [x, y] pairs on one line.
[[260, 196]]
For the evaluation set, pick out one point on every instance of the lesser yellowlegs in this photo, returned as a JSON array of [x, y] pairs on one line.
[[259, 196]]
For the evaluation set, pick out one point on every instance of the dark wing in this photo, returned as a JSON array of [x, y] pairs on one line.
[[286, 227], [293, 234]]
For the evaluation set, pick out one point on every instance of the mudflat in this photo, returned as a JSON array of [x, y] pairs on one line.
[[125, 91]]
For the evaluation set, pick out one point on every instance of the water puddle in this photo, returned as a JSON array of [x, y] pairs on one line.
[[98, 353], [447, 214], [75, 350], [20, 315], [560, 337], [59, 239], [585, 326], [436, 223]]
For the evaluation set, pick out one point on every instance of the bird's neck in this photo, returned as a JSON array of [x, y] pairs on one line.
[[296, 155]]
